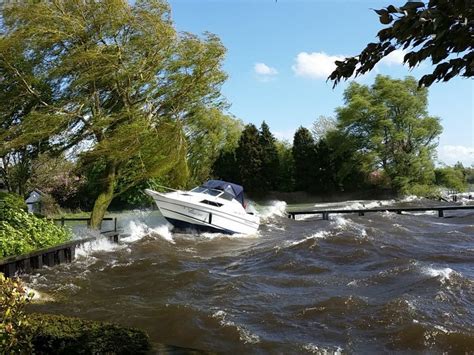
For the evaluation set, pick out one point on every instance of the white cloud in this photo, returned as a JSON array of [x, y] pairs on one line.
[[285, 135], [263, 69], [451, 154], [316, 65], [394, 58], [319, 65]]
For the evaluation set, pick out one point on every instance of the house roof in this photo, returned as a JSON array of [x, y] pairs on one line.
[[34, 196]]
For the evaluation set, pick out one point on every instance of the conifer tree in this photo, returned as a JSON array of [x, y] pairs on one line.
[[249, 159], [304, 159], [270, 160]]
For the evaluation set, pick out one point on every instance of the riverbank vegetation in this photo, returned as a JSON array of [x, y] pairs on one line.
[[25, 333], [22, 232]]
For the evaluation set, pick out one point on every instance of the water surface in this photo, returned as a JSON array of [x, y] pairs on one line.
[[376, 283]]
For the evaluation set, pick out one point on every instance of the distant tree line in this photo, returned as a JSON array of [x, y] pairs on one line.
[[382, 138]]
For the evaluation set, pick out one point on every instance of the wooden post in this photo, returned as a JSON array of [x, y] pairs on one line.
[[61, 256], [26, 265], [10, 269], [37, 262], [62, 221], [361, 214], [73, 252], [440, 213], [399, 211], [115, 224], [48, 259], [325, 216]]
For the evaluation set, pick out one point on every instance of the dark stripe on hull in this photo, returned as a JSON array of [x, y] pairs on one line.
[[186, 226]]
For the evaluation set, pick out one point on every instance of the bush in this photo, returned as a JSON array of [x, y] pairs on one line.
[[51, 334], [21, 232], [15, 332], [13, 201], [65, 335], [420, 190]]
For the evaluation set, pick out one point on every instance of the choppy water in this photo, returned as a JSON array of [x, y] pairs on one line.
[[379, 283]]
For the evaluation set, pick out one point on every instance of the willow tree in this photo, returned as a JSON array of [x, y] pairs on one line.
[[124, 85], [389, 124]]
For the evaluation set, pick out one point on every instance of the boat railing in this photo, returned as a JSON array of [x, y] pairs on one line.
[[166, 187]]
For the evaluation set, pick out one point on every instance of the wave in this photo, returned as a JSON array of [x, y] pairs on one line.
[[137, 230], [272, 209], [318, 235], [244, 334], [443, 274], [314, 349], [100, 244]]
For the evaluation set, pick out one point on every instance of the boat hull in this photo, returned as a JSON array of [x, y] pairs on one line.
[[189, 215]]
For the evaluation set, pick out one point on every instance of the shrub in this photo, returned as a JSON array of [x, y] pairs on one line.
[[65, 335], [420, 190], [12, 200], [21, 232], [15, 332]]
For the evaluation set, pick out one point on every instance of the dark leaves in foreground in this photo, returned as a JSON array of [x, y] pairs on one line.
[[441, 30]]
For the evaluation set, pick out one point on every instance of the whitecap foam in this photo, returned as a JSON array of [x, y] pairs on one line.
[[318, 235], [339, 221], [99, 244], [274, 208], [137, 230], [314, 349], [213, 235], [411, 198], [443, 274], [244, 334], [355, 204], [37, 296]]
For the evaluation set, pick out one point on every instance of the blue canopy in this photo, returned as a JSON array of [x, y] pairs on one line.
[[235, 190]]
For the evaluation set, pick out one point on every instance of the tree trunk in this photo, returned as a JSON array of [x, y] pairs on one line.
[[105, 197]]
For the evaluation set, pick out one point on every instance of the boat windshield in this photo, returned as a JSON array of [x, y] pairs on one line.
[[213, 192]]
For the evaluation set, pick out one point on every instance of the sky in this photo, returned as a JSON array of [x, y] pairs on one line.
[[279, 54]]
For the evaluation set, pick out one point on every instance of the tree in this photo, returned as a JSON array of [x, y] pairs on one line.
[[321, 126], [211, 132], [56, 176], [285, 178], [389, 124], [451, 178], [439, 29], [249, 159], [270, 161], [122, 84], [342, 166], [304, 159], [225, 167]]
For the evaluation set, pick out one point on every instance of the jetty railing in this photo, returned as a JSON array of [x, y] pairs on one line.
[[55, 255], [63, 221], [361, 212]]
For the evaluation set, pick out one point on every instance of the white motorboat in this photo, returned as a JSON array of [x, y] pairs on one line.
[[216, 206]]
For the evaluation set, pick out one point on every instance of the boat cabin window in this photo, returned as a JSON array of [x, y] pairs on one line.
[[212, 203], [226, 196], [213, 192]]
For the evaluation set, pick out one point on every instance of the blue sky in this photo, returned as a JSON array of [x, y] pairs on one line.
[[280, 53]]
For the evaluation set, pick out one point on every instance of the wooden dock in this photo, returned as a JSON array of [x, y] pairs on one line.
[[56, 255], [361, 212]]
